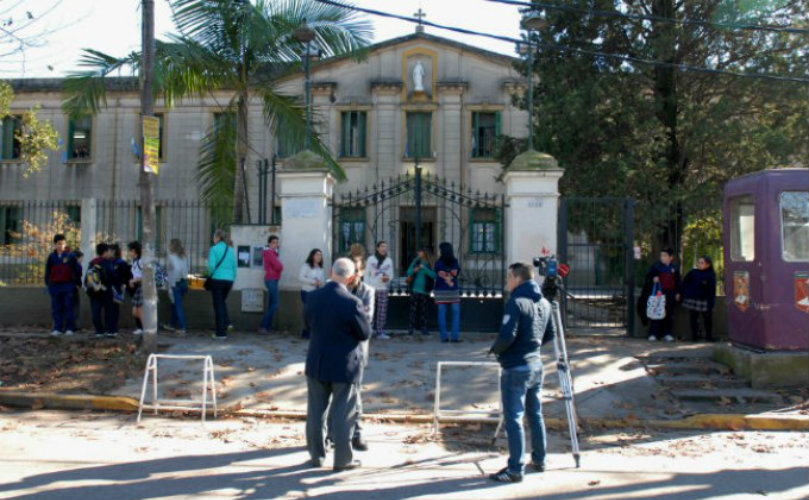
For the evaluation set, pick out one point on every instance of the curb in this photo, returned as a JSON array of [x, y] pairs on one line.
[[708, 421]]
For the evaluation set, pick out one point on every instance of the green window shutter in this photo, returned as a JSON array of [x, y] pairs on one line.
[[498, 129], [89, 130], [8, 138], [345, 134], [71, 125], [363, 126], [475, 135]]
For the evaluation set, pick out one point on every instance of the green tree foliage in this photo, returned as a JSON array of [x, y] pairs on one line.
[[240, 47], [668, 137], [35, 137]]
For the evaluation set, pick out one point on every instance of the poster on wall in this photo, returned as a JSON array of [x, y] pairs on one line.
[[243, 256], [258, 257], [252, 300], [151, 144], [741, 290], [802, 291]]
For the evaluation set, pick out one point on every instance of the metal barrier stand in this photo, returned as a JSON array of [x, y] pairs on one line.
[[437, 413], [208, 383]]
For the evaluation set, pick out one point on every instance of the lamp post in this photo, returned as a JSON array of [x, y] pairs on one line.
[[305, 35], [530, 23]]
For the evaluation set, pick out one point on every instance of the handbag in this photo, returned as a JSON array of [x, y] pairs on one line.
[[209, 280], [656, 304]]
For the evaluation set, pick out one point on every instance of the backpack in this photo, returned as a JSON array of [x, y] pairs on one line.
[[94, 279], [161, 277]]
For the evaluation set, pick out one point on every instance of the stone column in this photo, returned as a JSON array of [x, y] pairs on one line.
[[532, 195], [89, 229], [306, 189]]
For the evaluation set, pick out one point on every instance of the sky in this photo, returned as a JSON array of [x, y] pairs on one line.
[[113, 26]]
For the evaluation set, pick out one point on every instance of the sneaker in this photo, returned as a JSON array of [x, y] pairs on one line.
[[652, 338], [383, 336], [359, 444], [263, 331], [56, 333], [69, 332], [231, 328], [99, 335], [506, 476], [168, 328], [219, 337], [182, 332], [137, 331], [536, 467], [668, 338], [111, 335]]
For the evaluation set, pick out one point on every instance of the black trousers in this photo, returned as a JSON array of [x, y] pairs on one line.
[[418, 311], [707, 320], [219, 293], [105, 313]]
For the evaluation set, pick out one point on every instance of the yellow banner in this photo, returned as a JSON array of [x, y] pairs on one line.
[[151, 144]]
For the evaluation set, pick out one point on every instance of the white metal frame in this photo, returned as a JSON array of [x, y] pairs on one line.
[[208, 383], [437, 413]]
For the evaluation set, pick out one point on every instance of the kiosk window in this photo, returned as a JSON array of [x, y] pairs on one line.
[[742, 229], [795, 226]]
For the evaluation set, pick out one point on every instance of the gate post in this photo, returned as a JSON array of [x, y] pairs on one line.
[[306, 191], [532, 199]]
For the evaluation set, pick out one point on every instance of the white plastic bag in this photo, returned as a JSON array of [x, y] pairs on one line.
[[656, 305]]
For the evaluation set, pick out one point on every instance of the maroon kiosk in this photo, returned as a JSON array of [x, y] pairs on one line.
[[766, 236]]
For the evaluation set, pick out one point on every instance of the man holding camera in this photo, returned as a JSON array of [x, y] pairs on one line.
[[527, 324]]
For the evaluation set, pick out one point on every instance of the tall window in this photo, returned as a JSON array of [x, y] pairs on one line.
[[485, 230], [351, 228], [10, 146], [485, 129], [795, 226], [79, 135], [419, 135], [742, 229], [10, 225], [353, 125]]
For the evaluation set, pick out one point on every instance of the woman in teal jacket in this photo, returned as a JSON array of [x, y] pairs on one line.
[[222, 271], [421, 278]]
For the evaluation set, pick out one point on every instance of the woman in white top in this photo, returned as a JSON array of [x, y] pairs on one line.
[[177, 284], [311, 277], [135, 285]]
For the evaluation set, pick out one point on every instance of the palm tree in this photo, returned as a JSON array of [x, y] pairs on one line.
[[237, 46]]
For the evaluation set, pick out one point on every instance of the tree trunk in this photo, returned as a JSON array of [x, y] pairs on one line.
[[239, 191], [664, 48], [149, 316]]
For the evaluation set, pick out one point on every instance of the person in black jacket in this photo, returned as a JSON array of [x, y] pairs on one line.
[[665, 273], [699, 294], [527, 324], [337, 324]]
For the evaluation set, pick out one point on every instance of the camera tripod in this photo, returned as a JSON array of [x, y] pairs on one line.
[[565, 377]]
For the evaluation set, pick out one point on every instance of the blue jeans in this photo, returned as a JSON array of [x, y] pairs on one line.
[[456, 320], [177, 319], [272, 305], [520, 387], [62, 306]]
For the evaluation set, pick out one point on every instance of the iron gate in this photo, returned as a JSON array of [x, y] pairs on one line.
[[442, 211], [596, 241]]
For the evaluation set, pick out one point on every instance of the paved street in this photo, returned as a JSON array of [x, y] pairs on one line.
[[87, 456]]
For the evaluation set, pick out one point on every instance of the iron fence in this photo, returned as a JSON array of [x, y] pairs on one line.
[[28, 229]]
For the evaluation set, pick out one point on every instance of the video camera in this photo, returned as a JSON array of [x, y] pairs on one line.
[[553, 272]]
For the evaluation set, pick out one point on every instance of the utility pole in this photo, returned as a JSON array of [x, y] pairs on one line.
[[149, 343]]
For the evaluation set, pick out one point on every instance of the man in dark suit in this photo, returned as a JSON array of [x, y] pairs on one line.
[[337, 322]]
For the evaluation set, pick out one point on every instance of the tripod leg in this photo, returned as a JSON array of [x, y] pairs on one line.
[[565, 380]]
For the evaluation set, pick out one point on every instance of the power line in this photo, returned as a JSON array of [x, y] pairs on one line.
[[641, 17], [564, 48]]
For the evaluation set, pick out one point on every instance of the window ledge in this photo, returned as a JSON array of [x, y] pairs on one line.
[[431, 159], [354, 159], [79, 161]]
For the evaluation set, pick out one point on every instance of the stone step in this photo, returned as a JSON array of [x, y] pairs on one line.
[[699, 381], [688, 368], [729, 396]]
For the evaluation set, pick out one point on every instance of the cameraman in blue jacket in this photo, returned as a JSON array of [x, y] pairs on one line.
[[527, 324]]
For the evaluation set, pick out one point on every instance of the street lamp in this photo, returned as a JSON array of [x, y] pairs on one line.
[[305, 35], [530, 23]]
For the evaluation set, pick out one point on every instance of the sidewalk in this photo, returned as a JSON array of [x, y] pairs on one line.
[[265, 374]]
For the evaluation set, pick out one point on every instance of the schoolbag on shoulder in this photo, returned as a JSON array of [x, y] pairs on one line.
[[94, 280]]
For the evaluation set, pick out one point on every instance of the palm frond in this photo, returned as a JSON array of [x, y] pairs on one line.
[[286, 116], [216, 169], [85, 91]]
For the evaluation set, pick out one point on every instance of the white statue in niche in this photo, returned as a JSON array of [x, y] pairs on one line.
[[418, 77]]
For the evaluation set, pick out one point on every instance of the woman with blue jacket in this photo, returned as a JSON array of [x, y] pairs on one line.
[[222, 271]]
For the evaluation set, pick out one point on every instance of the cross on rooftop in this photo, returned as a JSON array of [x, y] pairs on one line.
[[420, 15]]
